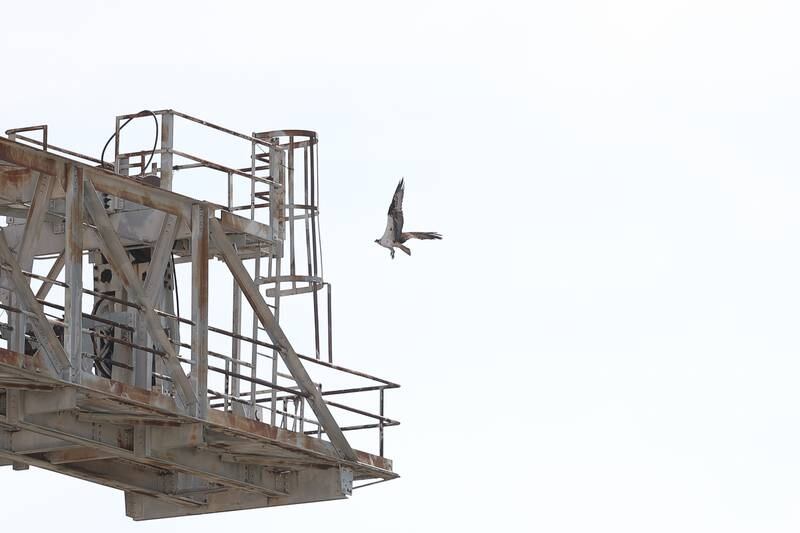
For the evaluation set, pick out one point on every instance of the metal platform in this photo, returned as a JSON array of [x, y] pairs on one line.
[[109, 392]]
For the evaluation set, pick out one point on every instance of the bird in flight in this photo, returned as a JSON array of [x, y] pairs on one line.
[[393, 236]]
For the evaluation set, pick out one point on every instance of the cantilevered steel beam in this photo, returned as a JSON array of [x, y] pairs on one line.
[[310, 485], [122, 477], [278, 337], [220, 429], [121, 442], [118, 257]]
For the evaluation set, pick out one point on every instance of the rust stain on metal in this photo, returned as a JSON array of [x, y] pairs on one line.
[[16, 177]]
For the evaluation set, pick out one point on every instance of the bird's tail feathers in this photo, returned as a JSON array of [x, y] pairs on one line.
[[424, 235], [405, 249]]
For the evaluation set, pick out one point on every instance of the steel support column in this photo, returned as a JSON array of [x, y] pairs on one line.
[[73, 275], [200, 305]]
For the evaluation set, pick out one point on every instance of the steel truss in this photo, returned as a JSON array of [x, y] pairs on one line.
[[156, 429]]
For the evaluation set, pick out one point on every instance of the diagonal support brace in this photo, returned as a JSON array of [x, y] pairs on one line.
[[153, 288], [41, 327], [118, 257], [278, 337]]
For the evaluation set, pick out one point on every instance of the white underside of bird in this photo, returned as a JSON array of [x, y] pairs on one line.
[[393, 236]]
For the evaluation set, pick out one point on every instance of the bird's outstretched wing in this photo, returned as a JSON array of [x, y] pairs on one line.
[[394, 226], [388, 233]]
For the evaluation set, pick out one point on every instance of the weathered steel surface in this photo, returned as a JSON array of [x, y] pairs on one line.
[[175, 446], [127, 188], [237, 224]]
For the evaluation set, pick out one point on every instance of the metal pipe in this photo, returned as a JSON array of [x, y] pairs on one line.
[[188, 166], [325, 393], [217, 166], [236, 345], [330, 326], [277, 321], [380, 427], [54, 148], [217, 127], [314, 251], [290, 185], [360, 412], [230, 190], [357, 428], [254, 352]]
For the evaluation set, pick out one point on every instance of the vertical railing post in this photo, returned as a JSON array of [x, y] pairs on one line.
[[230, 191], [253, 179], [236, 346], [277, 215], [330, 325], [199, 373], [290, 187], [227, 388], [254, 346], [315, 214], [116, 148], [380, 425], [167, 140]]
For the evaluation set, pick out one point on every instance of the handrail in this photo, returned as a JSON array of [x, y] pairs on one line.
[[204, 123]]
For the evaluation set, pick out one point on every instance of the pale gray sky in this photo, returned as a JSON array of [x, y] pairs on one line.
[[605, 340]]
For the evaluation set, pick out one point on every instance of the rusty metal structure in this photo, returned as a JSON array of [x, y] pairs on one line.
[[106, 377]]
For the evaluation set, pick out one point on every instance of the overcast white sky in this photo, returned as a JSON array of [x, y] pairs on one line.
[[605, 340]]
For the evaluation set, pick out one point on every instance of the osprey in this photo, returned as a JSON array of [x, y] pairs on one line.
[[393, 236]]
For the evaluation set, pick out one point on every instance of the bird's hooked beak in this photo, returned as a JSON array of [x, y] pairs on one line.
[[377, 241]]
